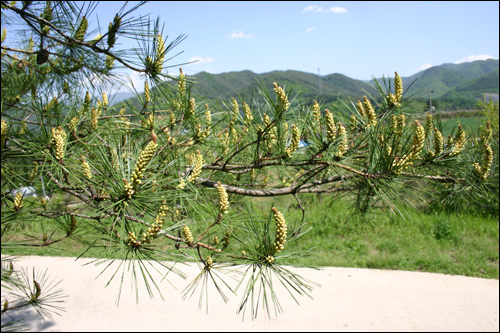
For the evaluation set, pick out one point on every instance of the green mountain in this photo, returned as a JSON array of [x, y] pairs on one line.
[[456, 85], [226, 85], [486, 83], [449, 78], [467, 80], [473, 89]]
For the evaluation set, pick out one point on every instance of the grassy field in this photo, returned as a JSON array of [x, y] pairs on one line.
[[470, 124], [430, 242], [470, 121]]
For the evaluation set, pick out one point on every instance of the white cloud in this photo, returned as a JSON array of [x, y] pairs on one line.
[[319, 9], [126, 80], [200, 60], [240, 34], [474, 58], [173, 73], [424, 67], [310, 29], [133, 81]]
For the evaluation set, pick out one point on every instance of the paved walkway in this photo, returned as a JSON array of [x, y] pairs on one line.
[[349, 299]]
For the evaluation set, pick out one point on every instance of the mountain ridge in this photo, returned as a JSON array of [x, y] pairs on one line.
[[447, 77], [465, 80]]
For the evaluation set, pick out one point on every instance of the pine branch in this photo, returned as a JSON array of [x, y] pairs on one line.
[[281, 191], [68, 40]]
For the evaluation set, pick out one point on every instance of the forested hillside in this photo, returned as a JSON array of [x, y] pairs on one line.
[[453, 86]]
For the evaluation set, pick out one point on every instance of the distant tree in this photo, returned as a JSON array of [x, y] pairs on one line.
[[163, 181]]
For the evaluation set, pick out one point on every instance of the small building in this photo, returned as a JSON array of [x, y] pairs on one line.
[[490, 96]]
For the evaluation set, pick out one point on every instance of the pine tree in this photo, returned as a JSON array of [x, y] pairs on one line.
[[173, 170]]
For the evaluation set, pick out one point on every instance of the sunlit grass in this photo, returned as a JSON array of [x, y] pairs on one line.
[[458, 244], [470, 124]]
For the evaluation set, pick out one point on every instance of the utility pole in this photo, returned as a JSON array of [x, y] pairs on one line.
[[319, 84], [431, 108]]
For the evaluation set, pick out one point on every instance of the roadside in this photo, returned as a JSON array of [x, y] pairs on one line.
[[349, 299]]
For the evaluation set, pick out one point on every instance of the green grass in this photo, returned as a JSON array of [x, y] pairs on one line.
[[456, 244], [470, 124]]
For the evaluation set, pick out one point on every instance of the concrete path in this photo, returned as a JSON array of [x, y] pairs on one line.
[[349, 299]]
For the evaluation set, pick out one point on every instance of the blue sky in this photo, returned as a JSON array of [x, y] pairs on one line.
[[357, 39]]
